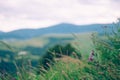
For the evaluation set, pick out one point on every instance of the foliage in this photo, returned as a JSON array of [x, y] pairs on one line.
[[106, 66], [57, 52]]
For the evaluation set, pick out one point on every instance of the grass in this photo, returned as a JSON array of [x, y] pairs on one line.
[[66, 68], [105, 65]]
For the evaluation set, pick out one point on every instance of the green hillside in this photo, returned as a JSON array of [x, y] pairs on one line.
[[42, 43], [34, 48], [58, 65]]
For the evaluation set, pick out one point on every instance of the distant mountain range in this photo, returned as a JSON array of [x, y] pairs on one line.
[[1, 32], [63, 28]]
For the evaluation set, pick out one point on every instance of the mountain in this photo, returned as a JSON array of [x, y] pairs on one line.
[[63, 28], [1, 32]]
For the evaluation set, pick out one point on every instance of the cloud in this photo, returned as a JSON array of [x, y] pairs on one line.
[[16, 14]]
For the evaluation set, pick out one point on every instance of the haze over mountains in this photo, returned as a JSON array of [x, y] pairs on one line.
[[1, 32], [63, 28]]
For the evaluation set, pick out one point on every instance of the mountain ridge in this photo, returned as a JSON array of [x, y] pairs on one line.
[[63, 28]]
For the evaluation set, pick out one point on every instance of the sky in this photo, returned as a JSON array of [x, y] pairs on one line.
[[18, 14]]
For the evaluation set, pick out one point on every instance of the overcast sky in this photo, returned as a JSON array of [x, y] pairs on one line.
[[17, 14]]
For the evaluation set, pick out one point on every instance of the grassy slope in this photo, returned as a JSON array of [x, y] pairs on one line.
[[66, 68], [82, 42]]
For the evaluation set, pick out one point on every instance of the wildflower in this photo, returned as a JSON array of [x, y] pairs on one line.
[[91, 56]]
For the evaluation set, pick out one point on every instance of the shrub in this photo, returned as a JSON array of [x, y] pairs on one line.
[[57, 51], [106, 66]]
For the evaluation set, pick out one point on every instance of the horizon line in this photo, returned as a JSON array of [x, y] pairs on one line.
[[54, 25]]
